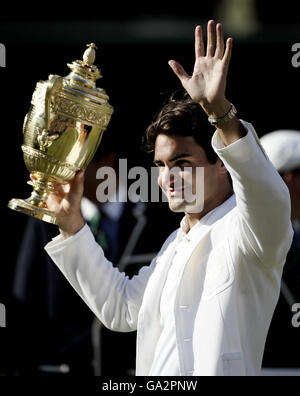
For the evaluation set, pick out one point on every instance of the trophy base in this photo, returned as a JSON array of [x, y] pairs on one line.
[[20, 205]]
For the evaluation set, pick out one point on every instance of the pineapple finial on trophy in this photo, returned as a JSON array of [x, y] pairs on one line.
[[89, 55]]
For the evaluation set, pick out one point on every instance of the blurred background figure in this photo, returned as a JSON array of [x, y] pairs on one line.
[[62, 336], [282, 346], [239, 16]]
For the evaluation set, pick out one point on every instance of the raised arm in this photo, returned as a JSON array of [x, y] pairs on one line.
[[207, 84], [263, 201]]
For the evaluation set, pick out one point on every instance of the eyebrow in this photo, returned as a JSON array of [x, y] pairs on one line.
[[176, 157]]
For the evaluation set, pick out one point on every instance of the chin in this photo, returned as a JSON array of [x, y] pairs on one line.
[[186, 207], [176, 206], [176, 209]]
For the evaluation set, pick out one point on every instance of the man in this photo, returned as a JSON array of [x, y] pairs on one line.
[[204, 305], [282, 351]]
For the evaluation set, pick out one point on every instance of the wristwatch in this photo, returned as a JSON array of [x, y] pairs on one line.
[[217, 122]]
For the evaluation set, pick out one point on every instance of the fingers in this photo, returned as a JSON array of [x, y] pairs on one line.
[[199, 44], [67, 197], [220, 42], [228, 51], [59, 188], [53, 202], [77, 188], [215, 42], [179, 71], [78, 183], [211, 39]]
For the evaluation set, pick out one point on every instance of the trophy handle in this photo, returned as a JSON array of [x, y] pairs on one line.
[[35, 205], [54, 84], [43, 185]]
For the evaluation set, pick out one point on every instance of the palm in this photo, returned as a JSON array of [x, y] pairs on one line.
[[208, 81]]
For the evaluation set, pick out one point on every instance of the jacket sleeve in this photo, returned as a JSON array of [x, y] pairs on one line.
[[111, 295], [263, 200]]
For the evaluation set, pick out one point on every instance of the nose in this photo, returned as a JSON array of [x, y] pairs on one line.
[[169, 178], [164, 179]]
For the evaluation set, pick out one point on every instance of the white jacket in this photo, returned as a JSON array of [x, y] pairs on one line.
[[231, 280]]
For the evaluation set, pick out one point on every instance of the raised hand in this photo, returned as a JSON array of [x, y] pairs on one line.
[[208, 82]]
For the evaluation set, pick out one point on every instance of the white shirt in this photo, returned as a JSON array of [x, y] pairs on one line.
[[166, 359]]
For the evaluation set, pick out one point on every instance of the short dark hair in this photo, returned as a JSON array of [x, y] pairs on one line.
[[182, 117]]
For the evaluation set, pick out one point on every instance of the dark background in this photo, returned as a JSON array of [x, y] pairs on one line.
[[134, 46]]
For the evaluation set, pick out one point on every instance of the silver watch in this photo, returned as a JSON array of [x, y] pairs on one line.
[[232, 112]]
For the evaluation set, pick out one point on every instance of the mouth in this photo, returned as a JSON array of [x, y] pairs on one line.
[[178, 193]]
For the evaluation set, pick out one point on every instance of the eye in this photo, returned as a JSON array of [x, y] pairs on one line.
[[182, 163]]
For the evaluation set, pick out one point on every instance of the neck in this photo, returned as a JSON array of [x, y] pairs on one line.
[[193, 218]]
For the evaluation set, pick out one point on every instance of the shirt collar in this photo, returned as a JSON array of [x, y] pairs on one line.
[[208, 219]]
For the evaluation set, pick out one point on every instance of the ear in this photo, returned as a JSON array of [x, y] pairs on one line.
[[222, 168]]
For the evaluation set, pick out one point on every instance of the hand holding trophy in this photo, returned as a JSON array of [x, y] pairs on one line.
[[62, 131]]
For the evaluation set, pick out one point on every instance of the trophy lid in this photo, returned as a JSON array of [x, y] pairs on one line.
[[84, 74]]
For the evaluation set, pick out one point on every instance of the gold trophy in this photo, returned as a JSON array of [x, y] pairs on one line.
[[62, 131]]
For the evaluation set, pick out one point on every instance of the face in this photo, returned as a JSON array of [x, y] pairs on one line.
[[190, 182]]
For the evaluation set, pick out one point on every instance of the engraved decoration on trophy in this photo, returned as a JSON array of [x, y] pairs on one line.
[[62, 131]]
